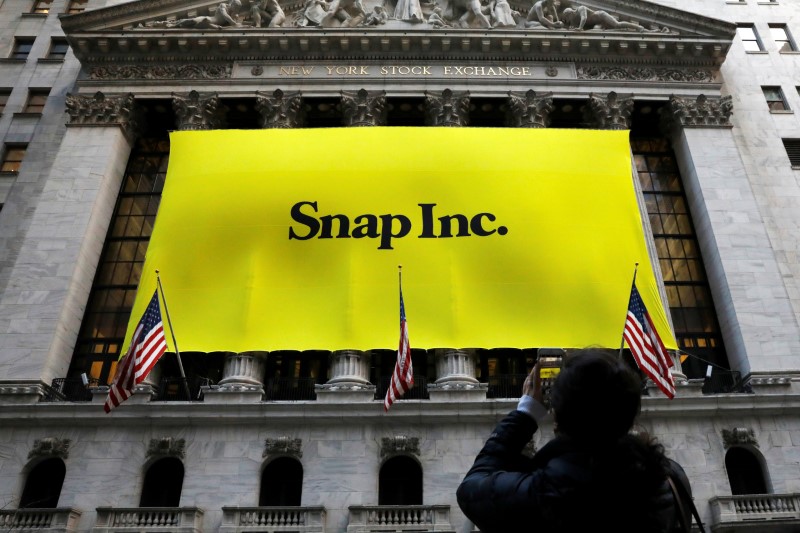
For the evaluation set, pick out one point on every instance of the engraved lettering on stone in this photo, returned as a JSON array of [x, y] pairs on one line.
[[102, 110], [529, 110], [195, 111], [166, 447], [50, 447], [283, 446], [447, 108], [739, 437], [399, 445], [363, 108], [160, 72], [645, 74], [280, 110], [701, 112], [610, 112]]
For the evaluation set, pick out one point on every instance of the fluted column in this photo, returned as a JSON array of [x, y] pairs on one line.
[[611, 112], [456, 375], [364, 108], [242, 379], [529, 110], [280, 110], [349, 382], [198, 111], [447, 108]]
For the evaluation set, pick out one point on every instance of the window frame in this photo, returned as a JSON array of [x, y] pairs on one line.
[[5, 95], [32, 106], [20, 42], [7, 149], [789, 40], [71, 9], [36, 8], [52, 54], [777, 104], [756, 38]]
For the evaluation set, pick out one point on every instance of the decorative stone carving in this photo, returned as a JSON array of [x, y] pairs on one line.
[[399, 445], [447, 108], [195, 111], [529, 110], [739, 437], [697, 75], [102, 110], [610, 112], [344, 14], [283, 446], [553, 15], [700, 113], [280, 110], [166, 447], [160, 72], [363, 108], [225, 15], [50, 447]]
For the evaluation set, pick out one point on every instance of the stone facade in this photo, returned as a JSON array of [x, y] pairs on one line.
[[744, 197]]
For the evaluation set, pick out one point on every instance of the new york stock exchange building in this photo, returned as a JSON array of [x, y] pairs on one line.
[[296, 440]]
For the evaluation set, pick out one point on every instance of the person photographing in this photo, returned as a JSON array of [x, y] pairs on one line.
[[593, 476]]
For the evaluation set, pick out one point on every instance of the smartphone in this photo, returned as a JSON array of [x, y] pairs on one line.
[[549, 368]]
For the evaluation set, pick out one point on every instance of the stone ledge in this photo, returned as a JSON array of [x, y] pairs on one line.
[[21, 391]]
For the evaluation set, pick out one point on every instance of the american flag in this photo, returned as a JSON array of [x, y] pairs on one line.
[[403, 375], [148, 344], [646, 346]]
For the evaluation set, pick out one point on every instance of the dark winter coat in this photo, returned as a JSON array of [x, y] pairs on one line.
[[567, 487]]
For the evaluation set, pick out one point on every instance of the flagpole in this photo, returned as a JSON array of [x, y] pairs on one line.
[[174, 342], [633, 284]]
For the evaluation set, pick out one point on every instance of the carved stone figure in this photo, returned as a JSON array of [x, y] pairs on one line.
[[346, 13], [409, 10], [399, 445], [582, 18], [377, 17], [312, 13], [50, 447], [267, 13], [280, 111], [544, 14], [166, 447], [225, 15], [502, 14], [475, 12], [283, 446], [364, 109], [435, 19]]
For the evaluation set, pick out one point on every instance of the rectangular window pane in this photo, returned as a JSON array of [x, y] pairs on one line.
[[37, 98], [749, 37], [58, 49], [41, 6], [22, 48], [780, 34], [4, 94], [76, 6], [12, 158]]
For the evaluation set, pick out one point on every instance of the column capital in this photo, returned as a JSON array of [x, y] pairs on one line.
[[198, 111], [610, 112], [529, 110], [280, 110], [364, 108], [447, 108], [700, 112], [102, 110]]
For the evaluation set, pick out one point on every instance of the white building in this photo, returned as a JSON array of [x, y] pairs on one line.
[[707, 88]]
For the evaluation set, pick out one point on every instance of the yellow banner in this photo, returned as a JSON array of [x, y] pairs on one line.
[[291, 239]]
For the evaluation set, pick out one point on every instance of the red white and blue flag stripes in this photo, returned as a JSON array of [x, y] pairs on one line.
[[403, 375]]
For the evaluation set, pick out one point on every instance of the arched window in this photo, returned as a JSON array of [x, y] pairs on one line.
[[281, 483], [745, 472], [163, 483], [400, 482], [43, 486]]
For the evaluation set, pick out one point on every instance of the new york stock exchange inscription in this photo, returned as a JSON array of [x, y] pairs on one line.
[[398, 70]]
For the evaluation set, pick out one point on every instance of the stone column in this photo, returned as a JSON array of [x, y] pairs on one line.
[[456, 371], [447, 108], [53, 256], [529, 110], [349, 378], [280, 110], [758, 325], [198, 111], [610, 112], [242, 379], [364, 108]]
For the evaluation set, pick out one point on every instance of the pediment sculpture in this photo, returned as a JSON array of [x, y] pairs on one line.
[[561, 15]]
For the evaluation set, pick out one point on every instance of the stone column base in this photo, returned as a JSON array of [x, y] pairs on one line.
[[456, 391], [345, 392], [216, 394]]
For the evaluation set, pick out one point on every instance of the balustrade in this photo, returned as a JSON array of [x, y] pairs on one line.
[[273, 519], [61, 520], [750, 507], [396, 518], [149, 519]]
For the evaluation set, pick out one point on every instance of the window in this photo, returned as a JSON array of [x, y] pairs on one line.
[[792, 147], [292, 375], [749, 37], [745, 472], [41, 6], [76, 6], [37, 98], [688, 293], [12, 158], [43, 485], [775, 99], [782, 38], [163, 483], [400, 482], [4, 94], [22, 47], [281, 483], [58, 49]]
